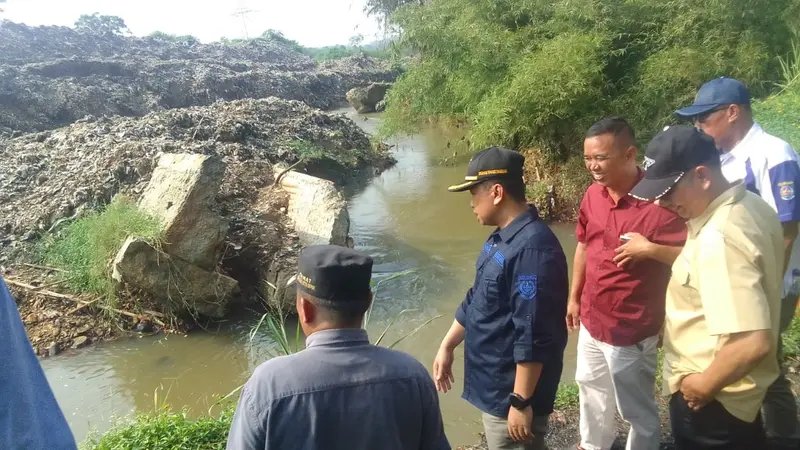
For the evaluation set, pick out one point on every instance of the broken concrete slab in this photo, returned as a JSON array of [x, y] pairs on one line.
[[365, 99], [181, 193], [80, 342], [317, 208], [182, 286]]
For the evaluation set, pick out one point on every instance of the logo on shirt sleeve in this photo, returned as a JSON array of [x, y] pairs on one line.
[[526, 285], [786, 189]]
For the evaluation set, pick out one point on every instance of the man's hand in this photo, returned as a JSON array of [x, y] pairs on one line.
[[636, 249], [573, 315], [443, 369], [519, 424], [696, 391]]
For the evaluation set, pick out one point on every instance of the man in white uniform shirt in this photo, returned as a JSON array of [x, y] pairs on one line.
[[770, 168]]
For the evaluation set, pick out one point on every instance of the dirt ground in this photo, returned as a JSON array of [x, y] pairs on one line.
[[564, 433], [55, 325]]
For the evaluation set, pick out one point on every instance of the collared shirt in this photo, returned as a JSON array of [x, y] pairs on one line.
[[341, 392], [622, 306], [30, 417], [725, 281], [770, 168], [514, 313]]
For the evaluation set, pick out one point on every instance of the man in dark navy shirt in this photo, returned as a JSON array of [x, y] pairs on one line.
[[511, 318]]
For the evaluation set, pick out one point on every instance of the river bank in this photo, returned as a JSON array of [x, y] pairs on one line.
[[398, 218], [169, 430]]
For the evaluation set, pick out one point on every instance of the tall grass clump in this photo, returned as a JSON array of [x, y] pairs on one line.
[[86, 247], [779, 114]]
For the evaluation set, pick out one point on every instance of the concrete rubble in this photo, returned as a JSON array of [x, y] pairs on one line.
[[370, 98], [182, 272], [180, 285], [181, 194]]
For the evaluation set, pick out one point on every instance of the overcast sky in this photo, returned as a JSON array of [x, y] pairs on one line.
[[312, 23]]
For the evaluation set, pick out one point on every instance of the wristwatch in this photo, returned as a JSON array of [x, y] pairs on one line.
[[518, 402]]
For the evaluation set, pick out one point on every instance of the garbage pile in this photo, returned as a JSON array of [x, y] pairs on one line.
[[53, 76], [51, 176]]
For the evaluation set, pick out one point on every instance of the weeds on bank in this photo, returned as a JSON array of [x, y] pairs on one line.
[[86, 247], [791, 342], [166, 431]]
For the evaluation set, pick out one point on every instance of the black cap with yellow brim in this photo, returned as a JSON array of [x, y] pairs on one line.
[[491, 163]]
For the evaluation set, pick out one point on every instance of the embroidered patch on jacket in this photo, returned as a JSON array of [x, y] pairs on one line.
[[526, 285], [787, 190]]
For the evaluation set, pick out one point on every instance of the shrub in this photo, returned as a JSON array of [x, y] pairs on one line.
[[166, 430], [86, 247], [527, 73]]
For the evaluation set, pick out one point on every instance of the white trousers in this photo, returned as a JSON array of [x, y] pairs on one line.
[[617, 378]]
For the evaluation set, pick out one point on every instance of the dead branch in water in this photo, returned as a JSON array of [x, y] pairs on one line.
[[85, 303]]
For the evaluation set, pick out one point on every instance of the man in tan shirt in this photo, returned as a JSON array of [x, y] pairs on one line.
[[723, 300]]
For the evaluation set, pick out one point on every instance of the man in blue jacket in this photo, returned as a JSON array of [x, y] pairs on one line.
[[30, 417], [511, 320]]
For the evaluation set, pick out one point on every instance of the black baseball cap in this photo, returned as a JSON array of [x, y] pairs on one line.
[[337, 274], [715, 93], [671, 154], [491, 163]]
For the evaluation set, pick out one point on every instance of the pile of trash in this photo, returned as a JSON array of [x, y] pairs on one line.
[[54, 76], [51, 176]]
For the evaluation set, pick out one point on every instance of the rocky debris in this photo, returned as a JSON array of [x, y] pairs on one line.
[[53, 175], [53, 324], [181, 193], [182, 286], [53, 76], [317, 212], [181, 272], [366, 99], [80, 342], [329, 223]]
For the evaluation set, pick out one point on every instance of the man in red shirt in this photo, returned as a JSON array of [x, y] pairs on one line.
[[620, 274]]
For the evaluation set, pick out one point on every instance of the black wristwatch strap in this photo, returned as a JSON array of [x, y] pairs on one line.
[[518, 402]]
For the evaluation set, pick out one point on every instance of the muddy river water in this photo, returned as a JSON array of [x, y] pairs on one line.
[[405, 218]]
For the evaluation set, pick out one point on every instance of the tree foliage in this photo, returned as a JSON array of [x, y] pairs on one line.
[[100, 24], [187, 39], [537, 73]]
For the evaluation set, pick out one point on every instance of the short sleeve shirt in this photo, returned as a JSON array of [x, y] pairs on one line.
[[622, 306], [725, 281], [770, 168]]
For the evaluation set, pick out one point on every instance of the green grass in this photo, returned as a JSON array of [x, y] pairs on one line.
[[567, 397], [166, 430], [791, 341], [85, 248]]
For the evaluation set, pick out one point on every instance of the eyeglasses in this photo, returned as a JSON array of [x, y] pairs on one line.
[[700, 118]]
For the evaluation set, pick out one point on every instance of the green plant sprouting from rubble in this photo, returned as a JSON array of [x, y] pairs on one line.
[[85, 248]]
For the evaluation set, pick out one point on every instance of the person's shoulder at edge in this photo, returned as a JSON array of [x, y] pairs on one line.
[[744, 222], [775, 150]]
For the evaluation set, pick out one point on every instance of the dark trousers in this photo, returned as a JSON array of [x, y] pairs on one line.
[[712, 427]]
